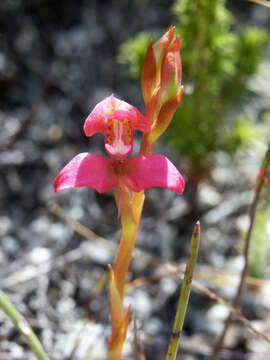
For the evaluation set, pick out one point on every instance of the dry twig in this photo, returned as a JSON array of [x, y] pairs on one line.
[[261, 181], [172, 269]]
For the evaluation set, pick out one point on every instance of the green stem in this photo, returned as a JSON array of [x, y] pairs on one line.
[[22, 325], [184, 295]]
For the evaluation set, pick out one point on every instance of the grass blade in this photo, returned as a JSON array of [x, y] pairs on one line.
[[22, 325], [184, 294]]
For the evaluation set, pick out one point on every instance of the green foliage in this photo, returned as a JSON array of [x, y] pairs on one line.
[[133, 52], [259, 253], [218, 58]]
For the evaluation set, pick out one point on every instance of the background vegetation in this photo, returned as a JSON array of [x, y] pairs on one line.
[[218, 57]]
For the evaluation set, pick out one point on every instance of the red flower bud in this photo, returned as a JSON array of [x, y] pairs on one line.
[[151, 72]]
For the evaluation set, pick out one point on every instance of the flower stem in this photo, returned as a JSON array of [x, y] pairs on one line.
[[184, 294], [130, 222], [131, 208], [23, 327]]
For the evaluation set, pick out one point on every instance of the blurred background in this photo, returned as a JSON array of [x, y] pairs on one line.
[[57, 60]]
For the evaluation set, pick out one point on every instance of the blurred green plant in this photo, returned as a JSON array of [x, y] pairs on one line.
[[218, 58], [259, 253], [132, 52]]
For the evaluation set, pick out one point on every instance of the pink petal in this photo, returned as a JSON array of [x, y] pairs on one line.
[[153, 170], [86, 169], [97, 119]]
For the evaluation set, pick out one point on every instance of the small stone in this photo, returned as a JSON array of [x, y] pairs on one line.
[[168, 286], [208, 195], [39, 255], [65, 305], [153, 326], [97, 252], [40, 225], [16, 351], [218, 312], [141, 303], [12, 157], [9, 244], [59, 231], [5, 225], [76, 212], [55, 132]]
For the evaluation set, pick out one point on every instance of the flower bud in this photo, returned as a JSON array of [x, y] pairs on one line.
[[161, 86], [164, 117], [151, 72], [171, 73]]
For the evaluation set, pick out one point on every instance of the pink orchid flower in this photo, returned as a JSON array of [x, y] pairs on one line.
[[116, 119]]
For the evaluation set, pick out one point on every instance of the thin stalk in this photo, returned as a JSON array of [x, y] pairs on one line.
[[130, 219], [123, 259], [184, 295], [261, 181], [23, 327], [131, 208]]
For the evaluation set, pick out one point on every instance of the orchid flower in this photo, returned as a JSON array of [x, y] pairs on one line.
[[116, 119]]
